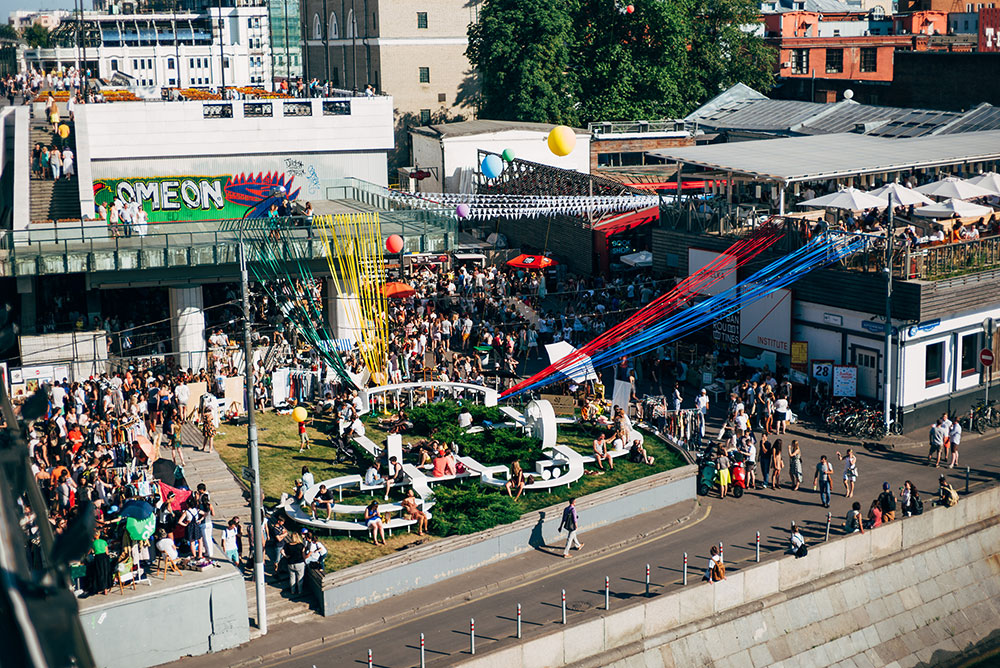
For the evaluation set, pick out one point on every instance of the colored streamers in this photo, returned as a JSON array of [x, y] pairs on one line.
[[821, 251], [699, 282], [353, 245]]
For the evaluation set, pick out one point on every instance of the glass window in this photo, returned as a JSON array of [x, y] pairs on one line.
[[800, 61], [425, 75], [934, 364], [317, 27], [869, 59], [970, 354], [192, 62], [422, 20], [170, 63], [834, 61], [114, 65], [425, 116]]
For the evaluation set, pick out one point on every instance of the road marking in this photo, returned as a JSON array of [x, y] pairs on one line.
[[458, 604]]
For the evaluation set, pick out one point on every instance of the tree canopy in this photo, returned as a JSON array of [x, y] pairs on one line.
[[591, 60], [37, 36]]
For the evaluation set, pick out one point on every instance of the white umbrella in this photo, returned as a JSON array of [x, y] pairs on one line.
[[640, 259], [849, 198], [954, 187], [988, 180], [901, 195], [950, 207]]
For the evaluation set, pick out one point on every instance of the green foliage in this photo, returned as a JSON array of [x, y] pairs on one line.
[[431, 418], [37, 36], [8, 31], [588, 60], [494, 446], [464, 510], [521, 49], [500, 446]]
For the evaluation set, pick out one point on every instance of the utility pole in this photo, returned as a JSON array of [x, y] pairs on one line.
[[887, 384], [256, 511], [222, 53]]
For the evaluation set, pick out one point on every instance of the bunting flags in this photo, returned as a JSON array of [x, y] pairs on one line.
[[482, 207]]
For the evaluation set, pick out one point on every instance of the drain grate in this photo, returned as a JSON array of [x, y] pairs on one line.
[[579, 606]]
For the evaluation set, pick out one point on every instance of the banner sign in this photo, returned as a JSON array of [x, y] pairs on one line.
[[170, 198], [800, 354], [845, 381]]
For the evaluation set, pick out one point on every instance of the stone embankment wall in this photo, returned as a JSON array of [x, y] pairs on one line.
[[917, 591]]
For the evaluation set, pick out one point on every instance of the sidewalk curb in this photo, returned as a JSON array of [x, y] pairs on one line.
[[441, 604]]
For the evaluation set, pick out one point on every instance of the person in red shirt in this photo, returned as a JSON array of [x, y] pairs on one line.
[[75, 437]]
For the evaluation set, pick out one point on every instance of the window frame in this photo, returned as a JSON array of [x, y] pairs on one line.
[[868, 51], [424, 75], [937, 378], [799, 60], [422, 18], [834, 68], [973, 351]]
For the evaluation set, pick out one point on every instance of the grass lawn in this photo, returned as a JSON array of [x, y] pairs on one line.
[[281, 463]]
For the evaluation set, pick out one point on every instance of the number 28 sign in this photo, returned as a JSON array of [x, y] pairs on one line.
[[822, 370]]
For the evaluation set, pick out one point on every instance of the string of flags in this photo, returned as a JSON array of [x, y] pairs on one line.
[[481, 207]]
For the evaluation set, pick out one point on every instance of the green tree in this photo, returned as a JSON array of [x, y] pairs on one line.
[[7, 31], [522, 51], [723, 53], [631, 66], [37, 36]]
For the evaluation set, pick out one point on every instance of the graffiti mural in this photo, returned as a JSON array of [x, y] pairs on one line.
[[173, 198]]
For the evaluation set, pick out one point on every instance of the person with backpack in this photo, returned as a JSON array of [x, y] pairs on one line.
[[797, 544], [910, 501], [569, 522], [887, 503], [947, 496], [716, 570]]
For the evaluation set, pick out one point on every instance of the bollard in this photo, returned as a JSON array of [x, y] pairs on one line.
[[647, 579], [421, 650], [966, 479], [472, 636], [721, 557], [829, 518], [685, 568], [518, 620], [607, 593], [758, 546], [564, 607], [369, 659]]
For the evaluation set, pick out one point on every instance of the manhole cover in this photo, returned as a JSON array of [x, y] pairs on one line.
[[578, 606]]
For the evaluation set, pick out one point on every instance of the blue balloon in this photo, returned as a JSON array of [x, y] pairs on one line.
[[492, 166]]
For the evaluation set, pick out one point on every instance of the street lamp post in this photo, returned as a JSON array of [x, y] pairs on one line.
[[256, 511], [887, 385], [222, 52]]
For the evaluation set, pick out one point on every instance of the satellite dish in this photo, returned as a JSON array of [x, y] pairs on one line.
[[848, 94]]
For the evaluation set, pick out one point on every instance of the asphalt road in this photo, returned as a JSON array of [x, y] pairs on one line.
[[732, 522]]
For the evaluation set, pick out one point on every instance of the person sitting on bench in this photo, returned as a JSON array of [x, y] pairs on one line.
[[323, 498]]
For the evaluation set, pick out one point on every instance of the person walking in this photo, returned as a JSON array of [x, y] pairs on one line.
[[850, 471], [207, 510], [570, 521], [795, 464], [716, 570], [822, 480], [936, 437], [955, 436]]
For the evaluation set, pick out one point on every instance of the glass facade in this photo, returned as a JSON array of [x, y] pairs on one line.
[[286, 38]]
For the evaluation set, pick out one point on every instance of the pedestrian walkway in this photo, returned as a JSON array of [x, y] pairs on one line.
[[231, 499]]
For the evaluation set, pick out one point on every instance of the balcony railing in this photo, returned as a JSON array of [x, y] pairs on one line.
[[933, 263]]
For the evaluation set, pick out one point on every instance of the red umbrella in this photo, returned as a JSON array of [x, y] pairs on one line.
[[396, 290], [532, 262]]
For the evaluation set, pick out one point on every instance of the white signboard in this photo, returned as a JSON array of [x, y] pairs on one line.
[[845, 381], [720, 281], [822, 371], [766, 323]]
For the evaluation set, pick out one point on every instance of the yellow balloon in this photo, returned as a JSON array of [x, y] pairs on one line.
[[562, 139], [299, 414], [64, 131]]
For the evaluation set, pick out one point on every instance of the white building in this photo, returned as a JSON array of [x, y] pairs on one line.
[[170, 50], [25, 18], [450, 151]]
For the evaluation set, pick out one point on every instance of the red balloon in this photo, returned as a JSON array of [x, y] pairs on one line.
[[630, 9], [394, 243]]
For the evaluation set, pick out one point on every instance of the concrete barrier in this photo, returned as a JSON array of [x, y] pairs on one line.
[[918, 590], [147, 629], [427, 564]]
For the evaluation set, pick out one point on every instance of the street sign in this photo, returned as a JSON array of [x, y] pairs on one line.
[[986, 357], [248, 474]]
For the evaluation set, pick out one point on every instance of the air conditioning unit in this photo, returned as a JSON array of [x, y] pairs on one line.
[[786, 65]]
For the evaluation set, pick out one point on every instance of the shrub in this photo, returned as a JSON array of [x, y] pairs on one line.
[[464, 510], [429, 418]]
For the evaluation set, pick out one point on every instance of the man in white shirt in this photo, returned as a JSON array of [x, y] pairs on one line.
[[701, 403], [465, 419], [58, 396]]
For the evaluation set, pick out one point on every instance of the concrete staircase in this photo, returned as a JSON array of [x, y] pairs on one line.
[[232, 500], [51, 200]]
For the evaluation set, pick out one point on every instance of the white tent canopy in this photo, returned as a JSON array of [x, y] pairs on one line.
[[580, 371], [951, 207], [849, 198], [988, 180], [901, 195], [954, 187], [640, 259]]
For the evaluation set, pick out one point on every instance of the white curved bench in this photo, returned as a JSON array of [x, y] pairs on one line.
[[303, 515]]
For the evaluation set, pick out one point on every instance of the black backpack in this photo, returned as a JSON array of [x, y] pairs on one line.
[[918, 506], [888, 502]]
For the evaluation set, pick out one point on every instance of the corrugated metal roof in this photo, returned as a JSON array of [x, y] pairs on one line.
[[764, 115], [845, 116], [983, 118], [835, 155], [916, 123]]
